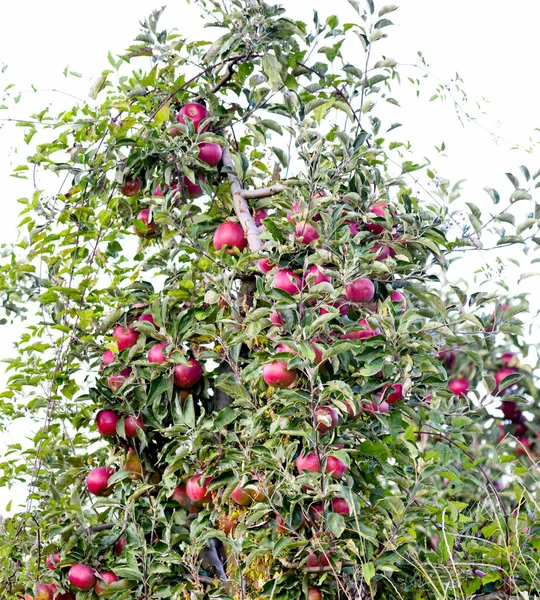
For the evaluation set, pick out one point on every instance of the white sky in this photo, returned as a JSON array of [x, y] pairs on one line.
[[492, 45]]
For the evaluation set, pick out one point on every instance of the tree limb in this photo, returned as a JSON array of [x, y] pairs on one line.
[[264, 192]]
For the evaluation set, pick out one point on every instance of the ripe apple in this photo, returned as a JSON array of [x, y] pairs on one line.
[[287, 281], [340, 506], [106, 421], [230, 236], [399, 299], [365, 331], [44, 591], [342, 304], [315, 276], [317, 560], [382, 407], [392, 393], [276, 318], [326, 418], [306, 233], [133, 463], [502, 374], [378, 210], [335, 467], [383, 252], [115, 381], [97, 481], [523, 445], [228, 524], [107, 358], [258, 216], [309, 462], [119, 546], [148, 227], [148, 318], [210, 153], [108, 577], [131, 424], [459, 386], [508, 358], [240, 496], [264, 265], [277, 375], [510, 410], [186, 376], [180, 495], [52, 560], [198, 493], [361, 290], [65, 596], [125, 337], [82, 577], [314, 594], [156, 355], [317, 511], [193, 189], [131, 187], [194, 111]]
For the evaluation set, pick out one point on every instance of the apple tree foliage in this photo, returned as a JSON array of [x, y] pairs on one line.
[[413, 490]]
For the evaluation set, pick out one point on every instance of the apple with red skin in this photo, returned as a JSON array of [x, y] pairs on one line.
[[317, 512], [335, 467], [287, 281], [392, 393], [125, 337], [510, 410], [306, 233], [119, 546], [378, 210], [230, 237], [265, 266], [315, 276], [352, 410], [82, 577], [340, 506], [361, 290], [508, 358], [315, 560], [97, 481], [341, 304], [148, 318], [65, 596], [276, 374], [44, 591], [106, 421], [314, 594], [373, 407], [180, 495], [240, 496], [196, 492], [276, 318], [210, 153], [196, 113], [156, 355], [108, 577], [399, 299], [186, 376], [502, 374], [523, 445], [115, 381], [52, 560], [459, 386], [148, 228], [131, 187], [107, 358], [258, 216], [366, 331], [383, 252], [502, 433], [131, 424], [308, 462], [193, 189], [326, 418]]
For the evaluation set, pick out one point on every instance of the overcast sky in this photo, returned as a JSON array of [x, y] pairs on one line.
[[492, 44]]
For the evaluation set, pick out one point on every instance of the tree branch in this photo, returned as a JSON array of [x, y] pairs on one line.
[[241, 207], [263, 192]]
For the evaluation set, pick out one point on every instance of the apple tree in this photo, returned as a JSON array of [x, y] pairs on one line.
[[249, 373]]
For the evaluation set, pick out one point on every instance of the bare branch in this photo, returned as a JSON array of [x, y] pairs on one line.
[[263, 192]]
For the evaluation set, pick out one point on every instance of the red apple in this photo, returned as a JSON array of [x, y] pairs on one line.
[[131, 424], [52, 560], [230, 236], [510, 410], [119, 546], [523, 445], [342, 304], [97, 480], [315, 560], [382, 407], [314, 594], [240, 496], [383, 252], [335, 467], [309, 462], [65, 596], [194, 111], [459, 386], [148, 227], [502, 374], [198, 493], [106, 421], [131, 187], [392, 393], [125, 337], [115, 381], [258, 216], [108, 578], [186, 376], [340, 506], [180, 495], [264, 265], [508, 358], [317, 511], [315, 276], [277, 375], [44, 591], [193, 189], [326, 418], [276, 318], [306, 233], [363, 333], [378, 210], [156, 355], [399, 299], [82, 577], [287, 281], [361, 290], [148, 318], [107, 358], [210, 153]]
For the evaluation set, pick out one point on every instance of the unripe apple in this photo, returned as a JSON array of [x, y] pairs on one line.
[[315, 276], [287, 281], [230, 236], [314, 594], [149, 226], [378, 210], [106, 421], [210, 153], [309, 462], [82, 577], [125, 337], [392, 393], [186, 376], [108, 577], [131, 187], [306, 233], [193, 189], [44, 591], [131, 424], [361, 290], [459, 386], [335, 467], [264, 265], [258, 216], [340, 506], [148, 318], [180, 495], [276, 318], [198, 493], [97, 481], [116, 380], [194, 111], [277, 375], [107, 358], [156, 355], [240, 496], [326, 418], [119, 546], [52, 560]]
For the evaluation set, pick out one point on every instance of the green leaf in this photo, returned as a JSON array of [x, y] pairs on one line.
[[368, 571], [388, 9], [282, 156], [272, 69]]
